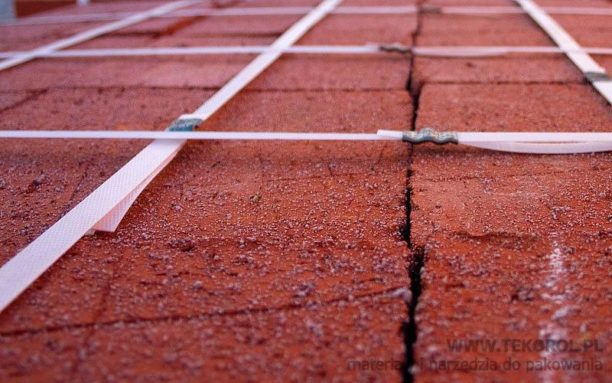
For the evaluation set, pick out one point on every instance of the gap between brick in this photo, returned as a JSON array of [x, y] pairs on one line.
[[410, 330]]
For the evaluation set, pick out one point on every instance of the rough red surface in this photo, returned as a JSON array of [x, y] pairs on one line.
[[297, 261], [515, 247], [240, 259]]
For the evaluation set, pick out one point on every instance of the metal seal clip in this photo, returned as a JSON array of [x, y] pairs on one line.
[[430, 135], [184, 125]]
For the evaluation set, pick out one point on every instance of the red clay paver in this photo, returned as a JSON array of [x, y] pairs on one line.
[[285, 261], [240, 258], [472, 3], [340, 30], [589, 31], [515, 245], [354, 72], [467, 30], [43, 180], [10, 99], [164, 72], [236, 176], [253, 26], [26, 37], [508, 69]]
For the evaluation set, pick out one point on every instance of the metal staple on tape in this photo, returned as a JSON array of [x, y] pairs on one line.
[[596, 76], [184, 125]]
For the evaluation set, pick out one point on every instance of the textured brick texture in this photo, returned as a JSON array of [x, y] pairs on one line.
[[266, 261], [299, 261]]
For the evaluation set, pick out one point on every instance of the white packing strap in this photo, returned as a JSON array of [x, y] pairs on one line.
[[204, 50], [92, 33], [213, 12], [544, 148], [486, 51], [104, 208], [517, 142], [593, 72], [97, 209], [189, 135], [468, 138], [296, 10], [433, 51], [550, 137], [501, 10], [533, 137]]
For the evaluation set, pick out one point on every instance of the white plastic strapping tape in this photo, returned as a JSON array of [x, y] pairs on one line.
[[527, 142], [516, 142], [433, 51], [468, 138], [543, 148], [297, 10], [92, 33], [101, 209], [105, 206], [190, 135], [574, 51]]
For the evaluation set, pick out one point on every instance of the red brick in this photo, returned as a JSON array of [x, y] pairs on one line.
[[472, 3], [282, 249], [511, 68], [340, 29], [571, 3], [251, 26], [40, 357], [340, 72], [462, 30], [43, 180], [526, 232], [84, 164], [589, 31], [18, 38], [321, 342], [167, 71], [11, 99]]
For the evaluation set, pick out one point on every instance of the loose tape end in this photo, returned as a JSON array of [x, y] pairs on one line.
[[110, 221]]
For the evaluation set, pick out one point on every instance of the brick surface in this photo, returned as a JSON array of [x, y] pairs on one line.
[[17, 38], [461, 30], [45, 190], [166, 72], [529, 233], [295, 261], [340, 30], [503, 69], [341, 72], [11, 99], [589, 31], [251, 228]]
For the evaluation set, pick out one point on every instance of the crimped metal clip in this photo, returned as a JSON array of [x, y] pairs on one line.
[[394, 47], [430, 135], [596, 76], [184, 125]]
